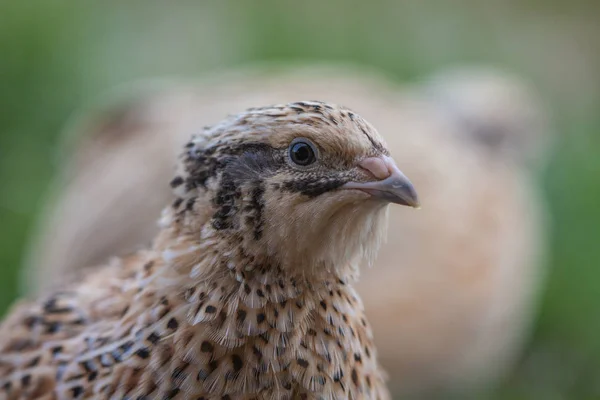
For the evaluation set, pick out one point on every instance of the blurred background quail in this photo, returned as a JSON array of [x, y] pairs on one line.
[[59, 57], [452, 289]]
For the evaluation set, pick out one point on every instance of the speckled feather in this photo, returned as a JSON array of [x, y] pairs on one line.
[[238, 297]]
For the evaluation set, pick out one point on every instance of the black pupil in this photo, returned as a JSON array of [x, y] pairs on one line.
[[302, 154]]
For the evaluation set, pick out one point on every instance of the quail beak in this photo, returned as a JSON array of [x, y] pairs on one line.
[[391, 184]]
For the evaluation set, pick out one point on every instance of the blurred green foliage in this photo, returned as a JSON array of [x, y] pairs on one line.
[[56, 56]]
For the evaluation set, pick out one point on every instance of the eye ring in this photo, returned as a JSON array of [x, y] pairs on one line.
[[302, 152]]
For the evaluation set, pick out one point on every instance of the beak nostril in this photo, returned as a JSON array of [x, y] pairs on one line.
[[376, 166]]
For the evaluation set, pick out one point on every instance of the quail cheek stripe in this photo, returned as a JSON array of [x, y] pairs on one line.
[[312, 187], [244, 168]]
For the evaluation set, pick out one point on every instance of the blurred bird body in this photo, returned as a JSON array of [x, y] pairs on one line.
[[452, 292], [247, 290]]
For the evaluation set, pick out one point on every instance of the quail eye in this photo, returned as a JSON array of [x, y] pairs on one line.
[[302, 152]]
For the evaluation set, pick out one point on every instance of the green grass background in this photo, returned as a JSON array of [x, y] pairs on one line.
[[57, 55]]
